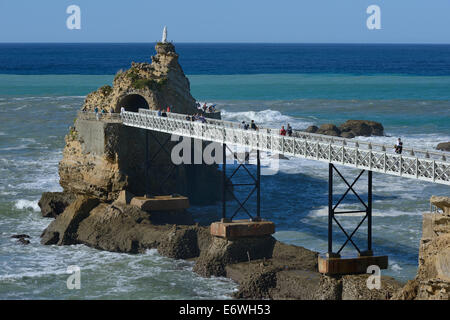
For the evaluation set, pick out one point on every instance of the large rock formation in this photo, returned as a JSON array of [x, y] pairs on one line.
[[157, 85], [433, 275], [101, 158]]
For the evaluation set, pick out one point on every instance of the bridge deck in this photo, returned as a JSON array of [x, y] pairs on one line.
[[419, 164]]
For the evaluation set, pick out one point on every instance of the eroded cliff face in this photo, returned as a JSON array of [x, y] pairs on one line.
[[103, 157], [432, 281]]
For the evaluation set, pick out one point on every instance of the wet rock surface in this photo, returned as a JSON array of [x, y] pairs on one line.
[[443, 146], [22, 238], [349, 129], [221, 252], [53, 204]]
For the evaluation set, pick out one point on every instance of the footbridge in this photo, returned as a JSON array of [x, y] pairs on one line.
[[368, 157], [413, 163]]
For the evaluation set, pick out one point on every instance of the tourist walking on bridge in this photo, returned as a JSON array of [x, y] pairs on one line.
[[253, 125], [289, 130], [399, 146]]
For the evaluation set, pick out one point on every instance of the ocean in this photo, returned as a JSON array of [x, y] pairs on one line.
[[405, 87]]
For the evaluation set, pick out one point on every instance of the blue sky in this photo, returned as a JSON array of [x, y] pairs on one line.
[[307, 21]]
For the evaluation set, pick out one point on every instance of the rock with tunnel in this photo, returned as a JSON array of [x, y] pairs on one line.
[[101, 158]]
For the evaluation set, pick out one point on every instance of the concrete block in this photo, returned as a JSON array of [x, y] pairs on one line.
[[125, 197], [242, 228], [160, 203], [350, 265]]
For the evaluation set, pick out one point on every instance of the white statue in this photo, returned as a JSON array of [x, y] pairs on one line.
[[164, 35]]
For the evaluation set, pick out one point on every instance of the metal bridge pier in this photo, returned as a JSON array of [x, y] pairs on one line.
[[332, 263], [252, 227], [147, 164], [255, 183]]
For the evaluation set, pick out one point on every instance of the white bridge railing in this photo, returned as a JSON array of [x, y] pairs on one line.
[[356, 154]]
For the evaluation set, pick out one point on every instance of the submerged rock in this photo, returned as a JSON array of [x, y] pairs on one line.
[[22, 238], [443, 146]]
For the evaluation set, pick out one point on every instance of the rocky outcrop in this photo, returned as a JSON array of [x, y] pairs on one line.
[[362, 128], [63, 230], [263, 267], [53, 204], [22, 238], [153, 85], [292, 273], [442, 203], [221, 252], [443, 146], [433, 275], [102, 158], [349, 129], [120, 227], [329, 129]]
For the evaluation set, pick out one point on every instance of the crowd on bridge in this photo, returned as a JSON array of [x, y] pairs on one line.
[[205, 108]]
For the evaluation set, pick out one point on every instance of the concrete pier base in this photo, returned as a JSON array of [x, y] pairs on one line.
[[242, 228], [161, 203], [233, 242], [330, 264]]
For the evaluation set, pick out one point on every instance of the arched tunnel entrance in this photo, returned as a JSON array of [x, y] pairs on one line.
[[132, 103]]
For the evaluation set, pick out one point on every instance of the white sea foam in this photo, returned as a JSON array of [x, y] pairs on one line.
[[267, 118], [323, 212], [27, 204]]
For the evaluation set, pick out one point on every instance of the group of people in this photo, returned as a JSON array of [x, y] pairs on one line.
[[196, 117], [164, 112], [205, 108], [252, 125], [287, 131], [102, 112]]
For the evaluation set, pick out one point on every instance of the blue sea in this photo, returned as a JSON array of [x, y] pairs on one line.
[[405, 87]]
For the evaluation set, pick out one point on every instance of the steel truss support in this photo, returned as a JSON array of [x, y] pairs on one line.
[[332, 212], [227, 184], [149, 163]]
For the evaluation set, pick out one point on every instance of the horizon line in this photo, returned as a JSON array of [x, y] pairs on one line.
[[229, 42]]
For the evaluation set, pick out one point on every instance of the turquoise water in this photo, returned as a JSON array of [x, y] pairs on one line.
[[37, 110]]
